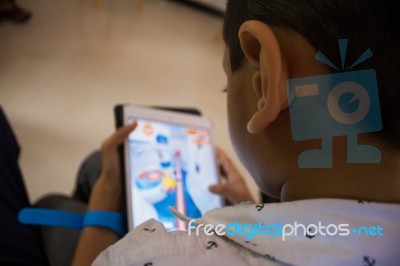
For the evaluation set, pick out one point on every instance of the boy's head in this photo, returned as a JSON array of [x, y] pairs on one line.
[[269, 42]]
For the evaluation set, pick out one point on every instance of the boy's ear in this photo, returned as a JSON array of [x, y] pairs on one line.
[[261, 48]]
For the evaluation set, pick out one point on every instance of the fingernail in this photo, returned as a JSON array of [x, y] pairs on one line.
[[212, 188]]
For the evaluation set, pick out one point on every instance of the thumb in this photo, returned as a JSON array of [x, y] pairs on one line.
[[220, 189]]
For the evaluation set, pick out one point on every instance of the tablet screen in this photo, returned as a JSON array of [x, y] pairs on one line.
[[170, 165]]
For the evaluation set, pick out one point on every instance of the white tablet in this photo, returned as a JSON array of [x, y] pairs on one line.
[[169, 160]]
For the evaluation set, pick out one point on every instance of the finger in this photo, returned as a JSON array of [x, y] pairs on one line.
[[220, 189], [226, 163], [119, 136]]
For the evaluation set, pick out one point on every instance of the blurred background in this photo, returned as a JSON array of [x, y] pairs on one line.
[[62, 72]]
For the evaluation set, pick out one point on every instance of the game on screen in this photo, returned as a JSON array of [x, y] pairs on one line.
[[171, 165]]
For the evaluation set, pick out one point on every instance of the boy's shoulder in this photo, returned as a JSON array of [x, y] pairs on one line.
[[150, 244]]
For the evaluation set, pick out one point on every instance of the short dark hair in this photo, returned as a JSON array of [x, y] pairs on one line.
[[365, 23]]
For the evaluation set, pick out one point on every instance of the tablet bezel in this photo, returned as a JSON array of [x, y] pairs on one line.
[[130, 111]]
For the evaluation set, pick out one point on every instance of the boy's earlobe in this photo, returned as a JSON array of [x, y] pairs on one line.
[[261, 48]]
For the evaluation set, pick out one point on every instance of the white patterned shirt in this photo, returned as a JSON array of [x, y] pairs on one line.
[[370, 237]]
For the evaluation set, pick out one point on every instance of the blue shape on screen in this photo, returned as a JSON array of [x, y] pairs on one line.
[[161, 139]]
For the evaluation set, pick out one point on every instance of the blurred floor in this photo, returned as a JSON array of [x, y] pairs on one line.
[[62, 73]]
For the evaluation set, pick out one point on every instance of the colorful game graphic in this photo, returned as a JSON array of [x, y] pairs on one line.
[[171, 165]]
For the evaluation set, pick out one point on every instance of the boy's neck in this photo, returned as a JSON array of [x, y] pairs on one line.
[[370, 182]]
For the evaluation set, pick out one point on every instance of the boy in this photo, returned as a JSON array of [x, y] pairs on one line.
[[340, 194]]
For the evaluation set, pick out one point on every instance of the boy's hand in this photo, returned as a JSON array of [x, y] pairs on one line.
[[106, 193], [234, 189]]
